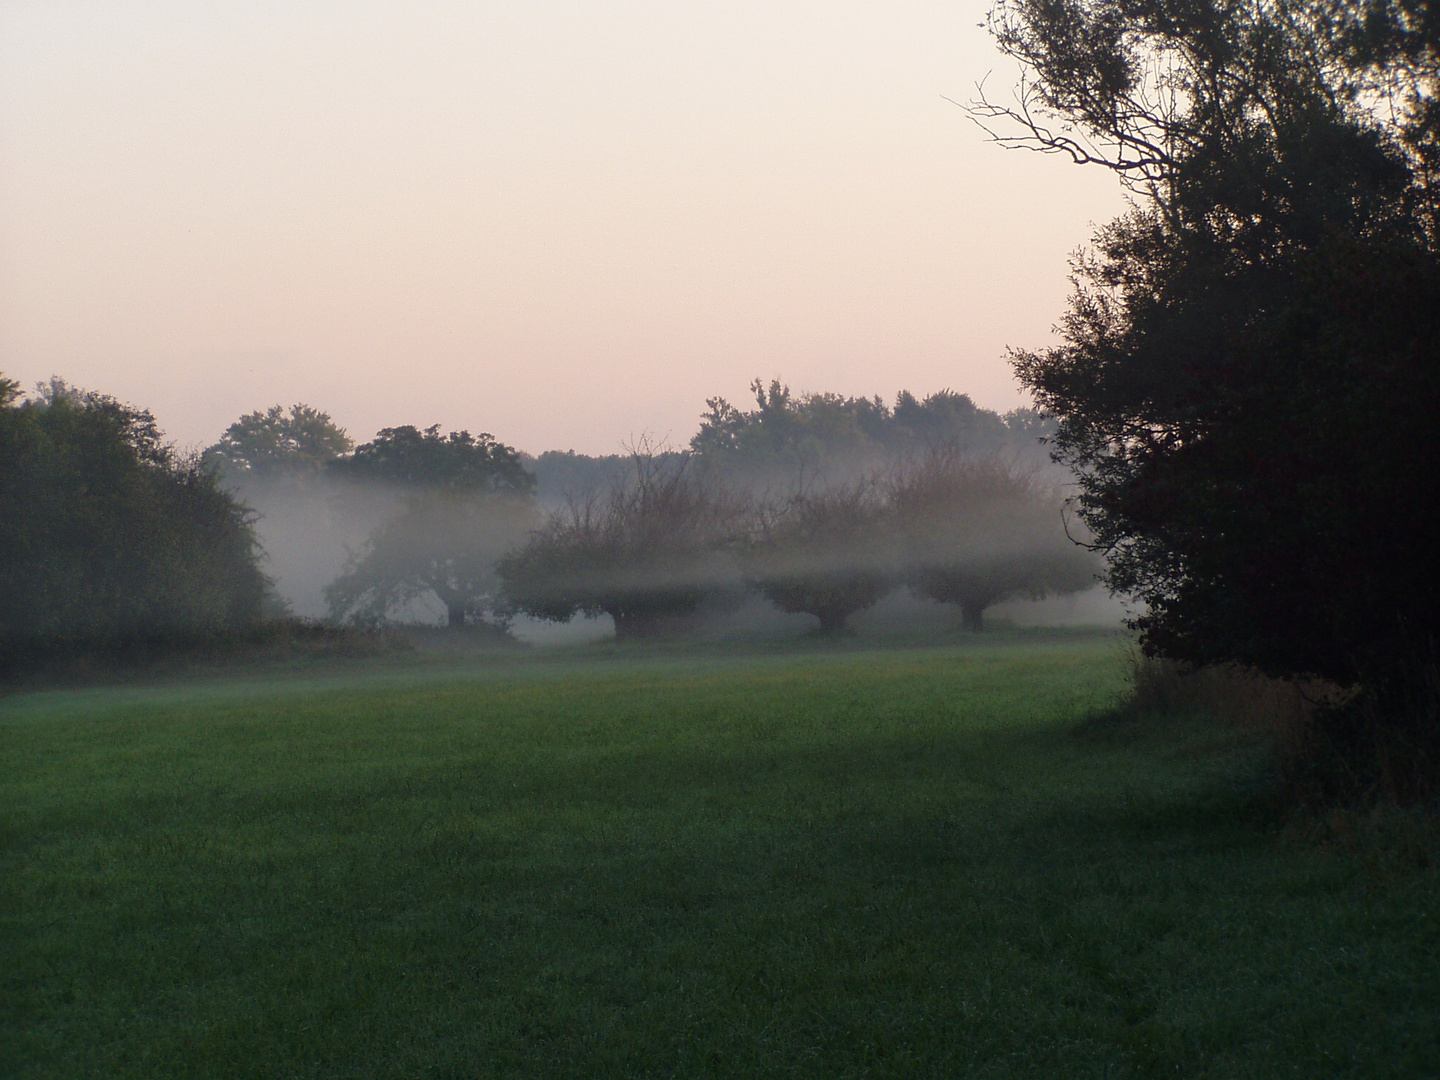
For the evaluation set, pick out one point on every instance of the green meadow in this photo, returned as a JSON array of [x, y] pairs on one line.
[[831, 861]]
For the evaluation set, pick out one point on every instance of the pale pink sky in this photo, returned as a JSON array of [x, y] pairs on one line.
[[566, 223]]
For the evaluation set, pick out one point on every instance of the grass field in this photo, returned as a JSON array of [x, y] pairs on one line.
[[822, 861]]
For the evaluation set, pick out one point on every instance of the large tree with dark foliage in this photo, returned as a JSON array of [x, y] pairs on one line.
[[465, 502], [408, 457], [1249, 372], [110, 540], [444, 544], [275, 443]]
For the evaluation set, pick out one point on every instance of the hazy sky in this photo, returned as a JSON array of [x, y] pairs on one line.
[[565, 223]]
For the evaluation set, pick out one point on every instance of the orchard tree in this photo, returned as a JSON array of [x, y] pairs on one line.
[[465, 503], [1249, 370], [975, 532], [822, 553], [646, 553]]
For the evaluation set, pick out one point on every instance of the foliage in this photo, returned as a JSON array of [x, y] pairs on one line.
[[646, 553], [978, 531], [1250, 366], [824, 553], [107, 536], [272, 444], [411, 458], [1170, 691], [786, 435], [445, 543]]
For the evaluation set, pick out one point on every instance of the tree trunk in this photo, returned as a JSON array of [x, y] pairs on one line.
[[631, 626], [972, 616], [456, 614]]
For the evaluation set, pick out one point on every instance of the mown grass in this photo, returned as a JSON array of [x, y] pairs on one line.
[[837, 862]]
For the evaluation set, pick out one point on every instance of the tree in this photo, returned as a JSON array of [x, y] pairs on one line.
[[646, 553], [822, 553], [1249, 368], [271, 444], [411, 458], [445, 543], [786, 436], [944, 419], [976, 532], [108, 537]]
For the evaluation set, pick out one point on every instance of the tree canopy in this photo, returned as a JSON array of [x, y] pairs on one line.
[[646, 552], [823, 553], [413, 458], [787, 435], [975, 532], [274, 443], [444, 543], [1249, 369], [108, 537]]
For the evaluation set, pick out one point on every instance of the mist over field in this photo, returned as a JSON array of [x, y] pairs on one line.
[[314, 525], [308, 530], [534, 683], [799, 513]]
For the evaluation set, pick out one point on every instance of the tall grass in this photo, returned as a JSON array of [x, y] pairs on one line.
[[1341, 755]]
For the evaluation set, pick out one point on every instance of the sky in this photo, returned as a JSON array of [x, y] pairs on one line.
[[566, 223]]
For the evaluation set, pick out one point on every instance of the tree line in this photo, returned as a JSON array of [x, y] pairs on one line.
[[116, 541], [958, 529]]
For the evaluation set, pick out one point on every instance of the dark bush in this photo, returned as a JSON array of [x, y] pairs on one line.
[[109, 539]]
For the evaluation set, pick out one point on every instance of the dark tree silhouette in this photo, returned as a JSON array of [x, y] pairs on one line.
[[1249, 369], [109, 539], [443, 543], [272, 444], [408, 457]]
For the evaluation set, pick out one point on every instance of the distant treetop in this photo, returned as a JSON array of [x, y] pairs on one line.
[[274, 443], [409, 457], [810, 430]]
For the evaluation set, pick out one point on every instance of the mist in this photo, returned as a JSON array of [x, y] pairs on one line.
[[730, 554], [808, 513], [308, 528]]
